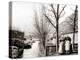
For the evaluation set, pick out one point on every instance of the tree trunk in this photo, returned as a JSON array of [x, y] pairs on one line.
[[75, 18], [57, 37], [44, 39], [42, 49], [57, 22]]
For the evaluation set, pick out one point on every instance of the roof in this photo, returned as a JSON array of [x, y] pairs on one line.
[[66, 27]]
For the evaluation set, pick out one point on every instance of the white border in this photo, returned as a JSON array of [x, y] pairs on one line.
[[4, 24]]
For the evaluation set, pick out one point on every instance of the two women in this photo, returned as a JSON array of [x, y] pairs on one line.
[[65, 45]]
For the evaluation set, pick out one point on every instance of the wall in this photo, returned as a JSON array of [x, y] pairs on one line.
[[71, 35]]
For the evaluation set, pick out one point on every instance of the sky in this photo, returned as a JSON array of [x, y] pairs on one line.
[[23, 15]]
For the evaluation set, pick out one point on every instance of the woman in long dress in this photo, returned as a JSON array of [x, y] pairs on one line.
[[61, 46], [67, 45]]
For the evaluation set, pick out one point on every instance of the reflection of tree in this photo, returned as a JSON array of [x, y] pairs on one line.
[[57, 14], [42, 28]]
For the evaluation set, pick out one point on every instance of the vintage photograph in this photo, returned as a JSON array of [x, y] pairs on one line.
[[42, 29]]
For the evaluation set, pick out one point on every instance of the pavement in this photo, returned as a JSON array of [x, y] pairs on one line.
[[33, 52]]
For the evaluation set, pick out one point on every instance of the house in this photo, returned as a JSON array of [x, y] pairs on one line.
[[66, 29]]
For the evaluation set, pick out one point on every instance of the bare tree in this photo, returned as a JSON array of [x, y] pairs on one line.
[[42, 28], [74, 20], [57, 14]]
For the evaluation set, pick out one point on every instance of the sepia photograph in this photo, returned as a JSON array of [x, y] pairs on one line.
[[42, 29]]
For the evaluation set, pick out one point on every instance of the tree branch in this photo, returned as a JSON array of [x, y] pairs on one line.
[[71, 18], [49, 20], [62, 10], [53, 10], [62, 15], [37, 26]]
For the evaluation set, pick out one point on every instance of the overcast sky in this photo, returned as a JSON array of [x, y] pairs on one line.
[[23, 14]]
